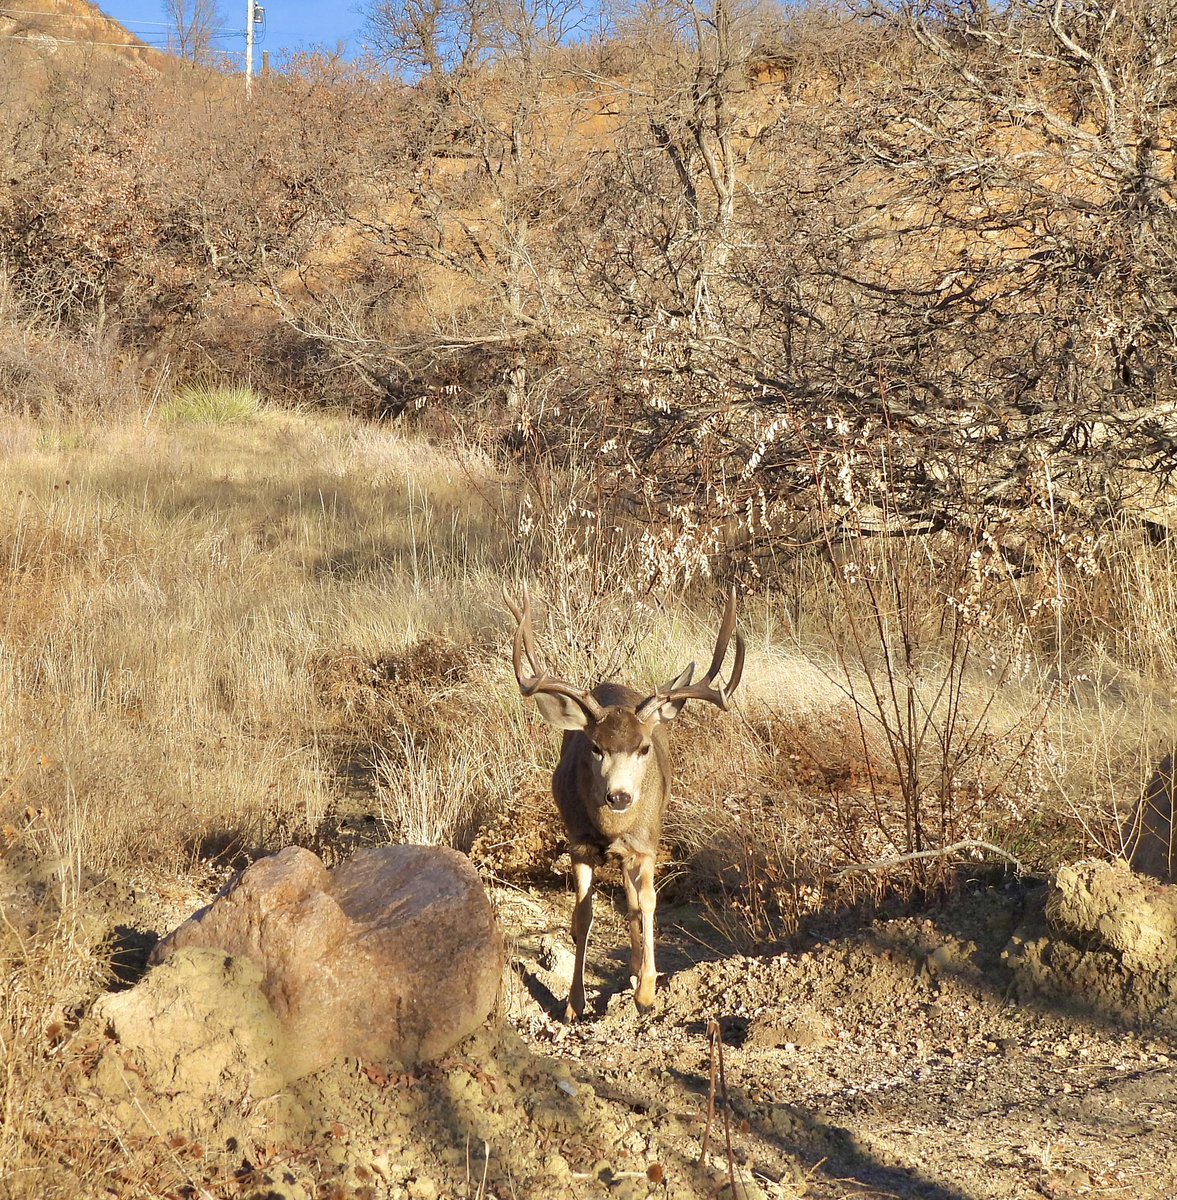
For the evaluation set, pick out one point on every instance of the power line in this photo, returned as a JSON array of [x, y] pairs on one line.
[[33, 40], [37, 38]]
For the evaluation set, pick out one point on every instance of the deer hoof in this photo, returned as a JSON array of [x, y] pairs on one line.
[[643, 997]]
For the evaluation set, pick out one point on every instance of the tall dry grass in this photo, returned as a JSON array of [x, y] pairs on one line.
[[200, 622], [166, 589], [49, 375]]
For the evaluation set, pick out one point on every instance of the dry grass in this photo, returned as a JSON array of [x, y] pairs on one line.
[[164, 592], [193, 618], [48, 375]]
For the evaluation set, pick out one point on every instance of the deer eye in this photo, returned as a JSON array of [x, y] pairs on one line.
[[644, 751], [597, 751]]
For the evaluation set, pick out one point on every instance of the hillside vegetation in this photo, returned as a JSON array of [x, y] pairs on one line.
[[868, 312], [782, 279]]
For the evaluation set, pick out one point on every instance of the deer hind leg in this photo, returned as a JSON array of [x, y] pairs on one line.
[[641, 897], [582, 922]]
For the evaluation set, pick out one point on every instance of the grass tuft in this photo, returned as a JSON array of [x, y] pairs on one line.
[[208, 402]]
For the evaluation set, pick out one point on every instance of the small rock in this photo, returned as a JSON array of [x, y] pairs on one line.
[[422, 1188], [557, 1166], [1074, 1178], [941, 958], [746, 1188], [806, 1028], [555, 956]]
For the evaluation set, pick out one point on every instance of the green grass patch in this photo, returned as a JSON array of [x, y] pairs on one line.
[[211, 403]]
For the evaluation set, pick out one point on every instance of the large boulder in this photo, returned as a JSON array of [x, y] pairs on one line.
[[393, 955]]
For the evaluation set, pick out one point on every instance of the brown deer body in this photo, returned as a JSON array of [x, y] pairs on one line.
[[612, 783]]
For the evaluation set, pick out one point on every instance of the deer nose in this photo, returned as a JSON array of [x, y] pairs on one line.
[[619, 801]]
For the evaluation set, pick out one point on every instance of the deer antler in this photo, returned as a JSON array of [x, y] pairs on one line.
[[706, 688], [540, 681]]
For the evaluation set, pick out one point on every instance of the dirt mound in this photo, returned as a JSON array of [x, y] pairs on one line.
[[197, 1031], [889, 1056], [1104, 941], [493, 1115]]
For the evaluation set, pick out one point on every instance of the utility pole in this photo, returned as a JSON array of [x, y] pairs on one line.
[[249, 15]]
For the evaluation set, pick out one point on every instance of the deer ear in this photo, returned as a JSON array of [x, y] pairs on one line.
[[561, 711], [667, 710]]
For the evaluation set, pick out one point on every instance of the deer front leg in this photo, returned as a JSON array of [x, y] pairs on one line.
[[641, 897], [636, 945], [582, 922]]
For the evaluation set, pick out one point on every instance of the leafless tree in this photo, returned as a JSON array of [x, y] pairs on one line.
[[193, 23], [436, 37], [491, 127], [950, 304]]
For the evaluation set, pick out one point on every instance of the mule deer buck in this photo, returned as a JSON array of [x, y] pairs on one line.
[[612, 783]]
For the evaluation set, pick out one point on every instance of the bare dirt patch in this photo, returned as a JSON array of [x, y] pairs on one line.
[[915, 1055]]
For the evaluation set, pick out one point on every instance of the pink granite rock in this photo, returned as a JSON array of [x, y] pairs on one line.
[[394, 954]]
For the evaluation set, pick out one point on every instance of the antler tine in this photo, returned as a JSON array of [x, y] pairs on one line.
[[726, 626], [540, 681], [524, 637], [706, 688]]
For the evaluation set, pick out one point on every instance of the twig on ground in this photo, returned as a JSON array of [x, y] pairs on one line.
[[715, 1037], [885, 864]]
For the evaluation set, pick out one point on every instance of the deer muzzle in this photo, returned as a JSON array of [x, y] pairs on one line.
[[618, 801]]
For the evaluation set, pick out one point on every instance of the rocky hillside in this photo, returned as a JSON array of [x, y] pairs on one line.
[[39, 35]]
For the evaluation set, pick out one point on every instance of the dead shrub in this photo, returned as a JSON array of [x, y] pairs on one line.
[[521, 841], [370, 693], [757, 841], [49, 374], [438, 766]]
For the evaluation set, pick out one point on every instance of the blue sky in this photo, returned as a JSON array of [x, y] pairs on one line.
[[289, 24]]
